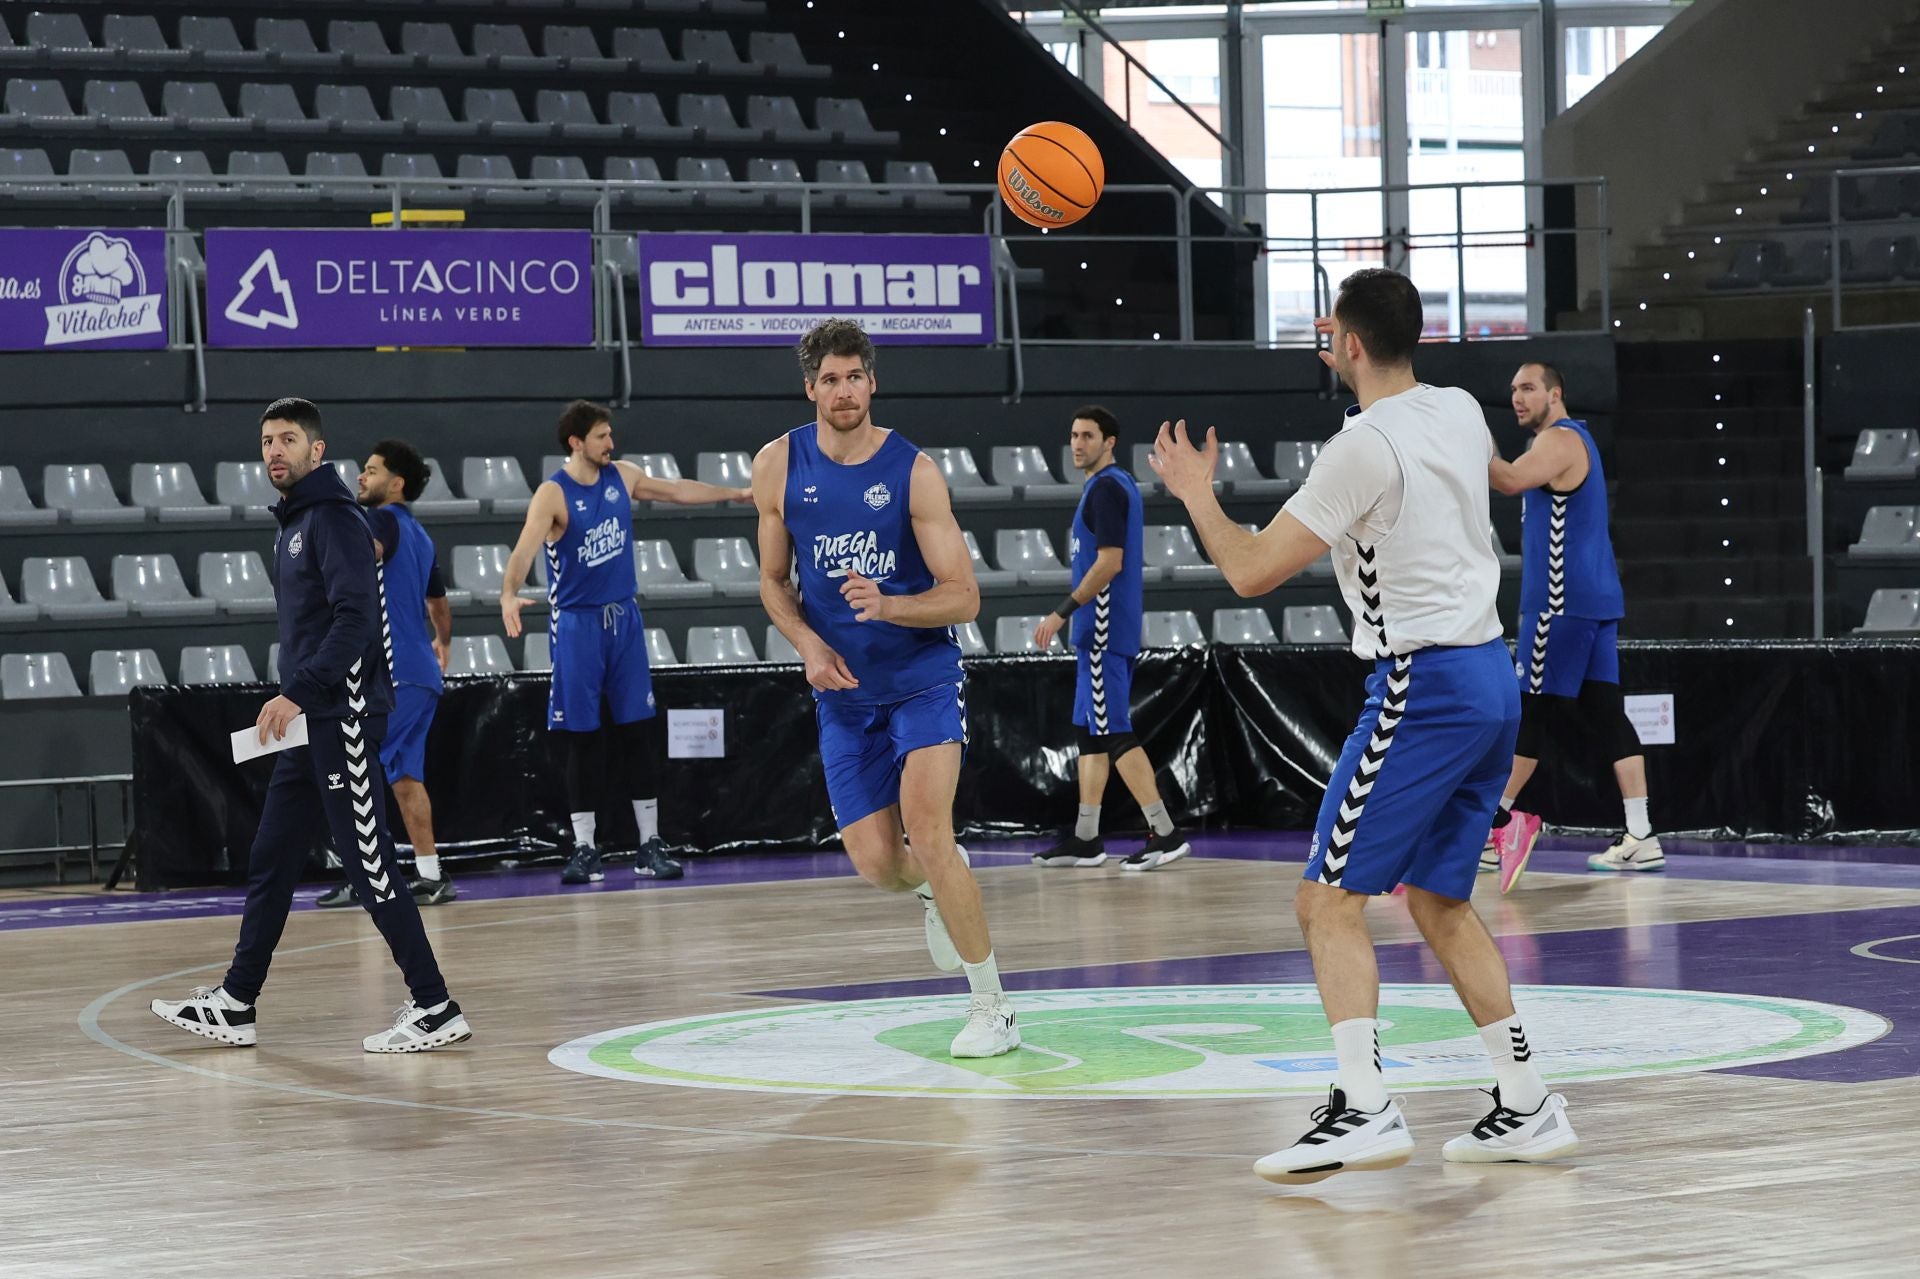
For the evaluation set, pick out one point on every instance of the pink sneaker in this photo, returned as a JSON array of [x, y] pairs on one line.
[[1517, 839]]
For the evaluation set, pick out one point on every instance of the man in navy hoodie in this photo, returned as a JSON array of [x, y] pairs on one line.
[[333, 671]]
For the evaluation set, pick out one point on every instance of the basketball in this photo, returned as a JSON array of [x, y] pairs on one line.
[[1051, 174]]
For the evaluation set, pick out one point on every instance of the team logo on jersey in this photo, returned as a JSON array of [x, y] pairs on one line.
[[579, 503], [294, 546], [877, 496], [810, 495], [612, 494]]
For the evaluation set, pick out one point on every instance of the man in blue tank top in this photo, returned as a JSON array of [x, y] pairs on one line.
[[417, 626], [865, 520], [1570, 610], [581, 519], [1106, 544]]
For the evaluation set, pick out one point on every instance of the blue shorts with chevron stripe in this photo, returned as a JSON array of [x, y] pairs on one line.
[[1102, 692], [1414, 792], [1557, 654]]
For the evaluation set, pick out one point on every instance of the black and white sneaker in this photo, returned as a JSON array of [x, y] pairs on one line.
[[337, 896], [583, 867], [1342, 1139], [652, 861], [1073, 851], [433, 892], [1506, 1135], [417, 1030], [211, 1013], [1160, 851]]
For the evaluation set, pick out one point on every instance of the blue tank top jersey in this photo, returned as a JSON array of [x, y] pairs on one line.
[[1566, 565], [403, 580], [858, 517], [1110, 622], [592, 564]]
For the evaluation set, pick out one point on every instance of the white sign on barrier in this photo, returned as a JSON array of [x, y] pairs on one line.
[[696, 734], [1652, 716]]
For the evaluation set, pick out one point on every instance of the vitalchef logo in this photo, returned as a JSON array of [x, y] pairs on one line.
[[103, 294]]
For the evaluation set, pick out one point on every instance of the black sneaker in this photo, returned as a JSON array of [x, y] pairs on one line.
[[583, 867], [1159, 851], [433, 892], [652, 862], [337, 896], [1073, 851]]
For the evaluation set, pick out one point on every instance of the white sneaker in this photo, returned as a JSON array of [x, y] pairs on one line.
[[990, 1029], [211, 1013], [939, 945], [1628, 853], [1342, 1139], [1507, 1136], [1490, 855], [417, 1030]]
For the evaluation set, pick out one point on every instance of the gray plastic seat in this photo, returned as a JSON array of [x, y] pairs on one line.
[[496, 113], [913, 174], [565, 168], [972, 642], [571, 112], [86, 494], [779, 120], [426, 114], [364, 47], [237, 581], [1171, 549], [655, 466], [1891, 611], [138, 36], [215, 44], [274, 109], [190, 168], [509, 191], [1022, 468], [350, 108], [60, 35], [151, 585], [288, 44], [715, 53], [1293, 459], [112, 672], [660, 649], [118, 102], [1311, 624], [786, 171], [198, 106], [536, 651], [28, 162], [640, 118], [1887, 454], [647, 49], [245, 488], [12, 610], [853, 173], [1243, 626], [658, 576], [578, 51], [963, 477], [483, 569], [711, 118], [342, 165], [216, 664], [25, 676], [504, 46], [16, 507], [64, 588], [1015, 634], [478, 655], [719, 646], [1029, 552], [103, 167], [780, 52], [729, 563], [1888, 533], [729, 470], [985, 575], [498, 482], [846, 119], [1143, 473], [438, 500], [1174, 629], [780, 648], [170, 492], [419, 171], [643, 169], [1237, 470], [435, 46], [44, 106], [711, 169]]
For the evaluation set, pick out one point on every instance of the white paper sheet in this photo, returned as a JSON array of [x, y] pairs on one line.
[[247, 745]]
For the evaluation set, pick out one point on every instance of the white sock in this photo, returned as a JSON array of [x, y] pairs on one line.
[[227, 1001], [983, 978], [1521, 1087], [646, 814], [1087, 825], [1506, 803], [584, 825], [1356, 1041], [1157, 818], [1637, 824], [428, 865]]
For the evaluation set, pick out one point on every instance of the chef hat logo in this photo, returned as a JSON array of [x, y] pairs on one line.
[[103, 270]]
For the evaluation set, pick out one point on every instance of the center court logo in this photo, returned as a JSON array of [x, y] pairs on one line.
[[1205, 1041]]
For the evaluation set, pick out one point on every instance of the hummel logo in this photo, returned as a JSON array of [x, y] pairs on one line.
[[334, 782]]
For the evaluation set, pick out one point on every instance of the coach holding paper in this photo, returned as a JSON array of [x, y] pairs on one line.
[[331, 607]]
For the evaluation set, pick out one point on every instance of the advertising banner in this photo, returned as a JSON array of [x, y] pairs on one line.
[[359, 288], [766, 290], [82, 290]]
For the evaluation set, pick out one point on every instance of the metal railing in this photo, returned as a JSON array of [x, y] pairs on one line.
[[1114, 42], [1816, 495], [1835, 255], [58, 787]]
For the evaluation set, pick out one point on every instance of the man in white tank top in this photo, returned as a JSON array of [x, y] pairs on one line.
[[1400, 498]]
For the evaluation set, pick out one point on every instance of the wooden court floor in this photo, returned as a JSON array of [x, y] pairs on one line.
[[130, 1149]]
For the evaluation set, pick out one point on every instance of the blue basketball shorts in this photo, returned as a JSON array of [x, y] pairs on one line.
[[1557, 654], [1414, 792], [404, 752], [864, 745], [1102, 692], [599, 651]]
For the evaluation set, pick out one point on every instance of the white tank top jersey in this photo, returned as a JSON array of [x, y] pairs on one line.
[[1401, 496]]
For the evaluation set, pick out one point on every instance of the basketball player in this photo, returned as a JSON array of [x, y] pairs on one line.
[[1398, 496], [416, 640], [1570, 610], [583, 516], [333, 671], [884, 577], [1106, 545]]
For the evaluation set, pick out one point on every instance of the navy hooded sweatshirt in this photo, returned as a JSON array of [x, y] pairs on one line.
[[327, 589]]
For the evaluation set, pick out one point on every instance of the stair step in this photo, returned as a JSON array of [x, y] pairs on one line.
[[1724, 456], [1761, 617], [1733, 539], [1705, 581]]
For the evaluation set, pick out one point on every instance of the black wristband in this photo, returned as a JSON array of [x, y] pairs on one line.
[[1064, 609]]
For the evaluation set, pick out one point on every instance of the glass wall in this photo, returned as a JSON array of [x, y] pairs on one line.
[[1591, 54], [1191, 69]]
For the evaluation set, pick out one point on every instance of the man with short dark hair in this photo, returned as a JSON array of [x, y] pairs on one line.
[[334, 672], [1106, 546]]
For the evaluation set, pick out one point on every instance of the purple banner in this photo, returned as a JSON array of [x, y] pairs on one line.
[[82, 290], [399, 288], [764, 290]]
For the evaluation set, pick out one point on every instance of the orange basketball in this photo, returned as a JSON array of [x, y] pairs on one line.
[[1051, 174]]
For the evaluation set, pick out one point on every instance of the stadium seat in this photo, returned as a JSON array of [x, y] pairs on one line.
[[151, 585], [1142, 470], [1889, 533], [1293, 459], [536, 652], [16, 507], [237, 581], [864, 196], [1022, 469], [987, 577], [846, 119], [86, 494], [34, 675], [508, 193], [421, 174], [711, 118], [274, 109], [641, 119], [1886, 454], [102, 167], [1808, 265], [138, 38], [647, 49], [118, 102], [709, 169], [579, 52], [787, 171], [715, 53], [1311, 624], [1881, 260], [497, 482], [111, 672], [169, 492], [777, 118], [482, 570], [719, 646], [660, 649], [1893, 138], [190, 168], [496, 113], [12, 610], [435, 47], [288, 44], [61, 36], [1015, 634], [1171, 549], [1243, 626], [728, 563], [438, 499], [1242, 477], [426, 114], [657, 466], [245, 488], [216, 664], [549, 169], [1891, 611], [44, 106], [365, 47], [1752, 266], [505, 47], [780, 648], [728, 470], [781, 54], [1175, 629], [350, 108], [1029, 553], [31, 162], [657, 574], [569, 111], [198, 107], [215, 44], [911, 174], [478, 655], [963, 477], [972, 642]]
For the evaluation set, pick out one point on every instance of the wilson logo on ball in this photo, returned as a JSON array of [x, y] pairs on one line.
[[1018, 184], [1051, 174]]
